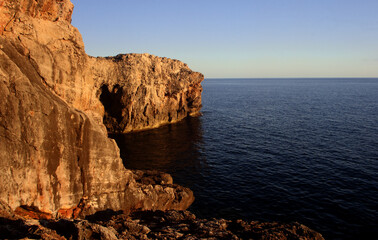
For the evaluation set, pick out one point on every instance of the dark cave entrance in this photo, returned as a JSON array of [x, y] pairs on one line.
[[112, 99]]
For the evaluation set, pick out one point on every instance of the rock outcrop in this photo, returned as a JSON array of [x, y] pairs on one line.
[[147, 225], [55, 154], [60, 174], [129, 92], [150, 90]]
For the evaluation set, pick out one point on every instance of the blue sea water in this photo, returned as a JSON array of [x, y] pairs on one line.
[[286, 150]]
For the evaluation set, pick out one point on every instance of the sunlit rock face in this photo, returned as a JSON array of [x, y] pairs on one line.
[[57, 106], [151, 91]]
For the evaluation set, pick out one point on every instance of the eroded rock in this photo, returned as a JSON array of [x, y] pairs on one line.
[[127, 92], [151, 91], [54, 148], [154, 225], [57, 163]]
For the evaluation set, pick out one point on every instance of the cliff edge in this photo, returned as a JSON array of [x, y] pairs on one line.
[[58, 105]]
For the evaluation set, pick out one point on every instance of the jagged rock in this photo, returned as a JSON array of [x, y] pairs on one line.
[[31, 212], [55, 157], [151, 90], [185, 225], [128, 92], [54, 148], [154, 225], [88, 230], [13, 226], [43, 9], [158, 194], [152, 177]]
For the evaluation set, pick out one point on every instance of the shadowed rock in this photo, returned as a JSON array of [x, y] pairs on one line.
[[153, 225]]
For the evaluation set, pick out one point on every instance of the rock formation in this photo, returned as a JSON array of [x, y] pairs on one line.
[[150, 90], [54, 149], [130, 92], [57, 164], [147, 225]]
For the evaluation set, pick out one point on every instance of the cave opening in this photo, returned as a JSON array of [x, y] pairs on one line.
[[111, 99]]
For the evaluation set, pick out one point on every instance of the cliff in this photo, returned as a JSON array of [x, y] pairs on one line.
[[55, 104], [130, 92]]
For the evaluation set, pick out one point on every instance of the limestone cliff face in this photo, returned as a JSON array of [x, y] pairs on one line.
[[43, 9], [129, 92], [151, 90], [54, 102]]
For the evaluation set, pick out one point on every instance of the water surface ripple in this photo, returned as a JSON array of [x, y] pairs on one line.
[[301, 150]]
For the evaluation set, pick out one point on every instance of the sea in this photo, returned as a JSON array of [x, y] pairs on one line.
[[286, 150]]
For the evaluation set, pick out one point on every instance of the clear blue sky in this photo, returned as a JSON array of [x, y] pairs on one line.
[[239, 38]]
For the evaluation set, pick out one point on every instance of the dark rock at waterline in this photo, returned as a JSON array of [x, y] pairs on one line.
[[170, 224]]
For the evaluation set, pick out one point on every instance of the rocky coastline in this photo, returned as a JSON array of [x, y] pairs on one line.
[[61, 177], [169, 224]]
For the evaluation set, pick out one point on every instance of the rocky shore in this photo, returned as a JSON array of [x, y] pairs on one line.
[[61, 177], [169, 224]]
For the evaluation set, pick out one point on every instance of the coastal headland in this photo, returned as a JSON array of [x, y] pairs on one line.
[[58, 168]]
